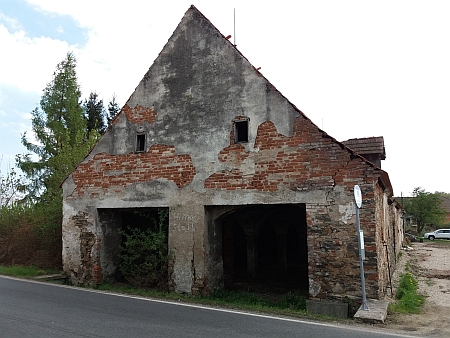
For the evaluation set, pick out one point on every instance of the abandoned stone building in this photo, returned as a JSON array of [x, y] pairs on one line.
[[255, 191]]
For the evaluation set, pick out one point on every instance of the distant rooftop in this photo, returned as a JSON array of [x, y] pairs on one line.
[[372, 148], [368, 145]]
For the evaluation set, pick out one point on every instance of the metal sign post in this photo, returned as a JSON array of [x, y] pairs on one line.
[[362, 255]]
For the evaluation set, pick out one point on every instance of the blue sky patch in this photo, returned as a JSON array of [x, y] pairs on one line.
[[19, 15], [15, 104]]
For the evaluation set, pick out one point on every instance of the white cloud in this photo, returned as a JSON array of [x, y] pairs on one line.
[[12, 23], [29, 62]]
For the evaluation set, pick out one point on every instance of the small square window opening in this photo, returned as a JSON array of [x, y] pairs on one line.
[[140, 142], [241, 131]]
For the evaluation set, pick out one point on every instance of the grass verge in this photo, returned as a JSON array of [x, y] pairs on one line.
[[23, 271], [290, 303], [408, 299], [438, 242]]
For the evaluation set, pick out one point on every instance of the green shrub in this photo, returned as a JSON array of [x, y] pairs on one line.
[[30, 234], [292, 300], [144, 253], [408, 300]]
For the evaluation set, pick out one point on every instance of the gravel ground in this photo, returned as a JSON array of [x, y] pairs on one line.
[[430, 263]]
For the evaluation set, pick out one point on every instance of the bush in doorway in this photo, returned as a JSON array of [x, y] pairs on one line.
[[144, 253]]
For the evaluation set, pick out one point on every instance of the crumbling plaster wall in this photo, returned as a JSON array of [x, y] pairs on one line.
[[81, 247], [391, 237], [186, 105]]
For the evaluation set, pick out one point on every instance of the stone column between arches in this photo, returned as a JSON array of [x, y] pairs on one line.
[[186, 249]]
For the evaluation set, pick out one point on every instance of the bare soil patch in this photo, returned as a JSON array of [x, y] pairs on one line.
[[430, 263]]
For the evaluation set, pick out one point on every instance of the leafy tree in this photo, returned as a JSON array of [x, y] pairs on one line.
[[59, 127], [426, 209], [95, 113], [12, 187], [30, 234], [443, 194]]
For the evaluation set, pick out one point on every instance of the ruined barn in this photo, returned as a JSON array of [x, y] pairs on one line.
[[257, 195]]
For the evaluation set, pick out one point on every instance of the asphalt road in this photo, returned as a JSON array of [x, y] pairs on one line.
[[32, 309]]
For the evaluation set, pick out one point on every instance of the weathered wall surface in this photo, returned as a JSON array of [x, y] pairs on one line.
[[186, 106]]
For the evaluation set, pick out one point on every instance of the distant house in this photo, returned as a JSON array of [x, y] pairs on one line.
[[256, 192]]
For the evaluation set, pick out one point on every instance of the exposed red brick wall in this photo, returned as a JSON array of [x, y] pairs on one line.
[[306, 160], [235, 153], [139, 114], [106, 171]]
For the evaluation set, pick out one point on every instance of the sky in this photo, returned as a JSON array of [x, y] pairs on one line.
[[355, 68]]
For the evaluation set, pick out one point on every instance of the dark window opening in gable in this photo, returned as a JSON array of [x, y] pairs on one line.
[[140, 142], [241, 131]]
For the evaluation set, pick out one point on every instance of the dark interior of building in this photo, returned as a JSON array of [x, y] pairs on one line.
[[264, 249]]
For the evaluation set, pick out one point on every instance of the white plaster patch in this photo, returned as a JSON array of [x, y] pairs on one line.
[[314, 287], [248, 167], [347, 211], [115, 172], [183, 276]]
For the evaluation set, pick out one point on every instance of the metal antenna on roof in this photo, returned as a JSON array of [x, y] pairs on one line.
[[234, 26]]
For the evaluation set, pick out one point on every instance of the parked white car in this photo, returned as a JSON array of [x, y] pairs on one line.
[[440, 233]]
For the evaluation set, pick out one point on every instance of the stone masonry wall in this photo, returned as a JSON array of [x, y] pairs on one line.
[[84, 255], [187, 106], [311, 161]]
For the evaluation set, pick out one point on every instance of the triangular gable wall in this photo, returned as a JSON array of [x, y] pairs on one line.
[[174, 145], [178, 108]]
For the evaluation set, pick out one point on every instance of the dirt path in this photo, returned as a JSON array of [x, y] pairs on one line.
[[430, 263]]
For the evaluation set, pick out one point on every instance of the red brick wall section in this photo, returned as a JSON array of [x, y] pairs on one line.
[[235, 154], [307, 160], [97, 268], [107, 171], [139, 114]]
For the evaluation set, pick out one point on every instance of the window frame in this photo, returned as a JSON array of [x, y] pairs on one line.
[[238, 130], [140, 145]]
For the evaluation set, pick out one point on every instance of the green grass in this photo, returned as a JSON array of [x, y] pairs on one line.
[[440, 242], [22, 271], [138, 291], [290, 303], [408, 299]]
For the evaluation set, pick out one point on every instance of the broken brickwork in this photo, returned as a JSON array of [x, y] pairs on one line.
[[256, 192]]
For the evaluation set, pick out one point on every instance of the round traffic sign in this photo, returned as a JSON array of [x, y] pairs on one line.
[[358, 195]]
